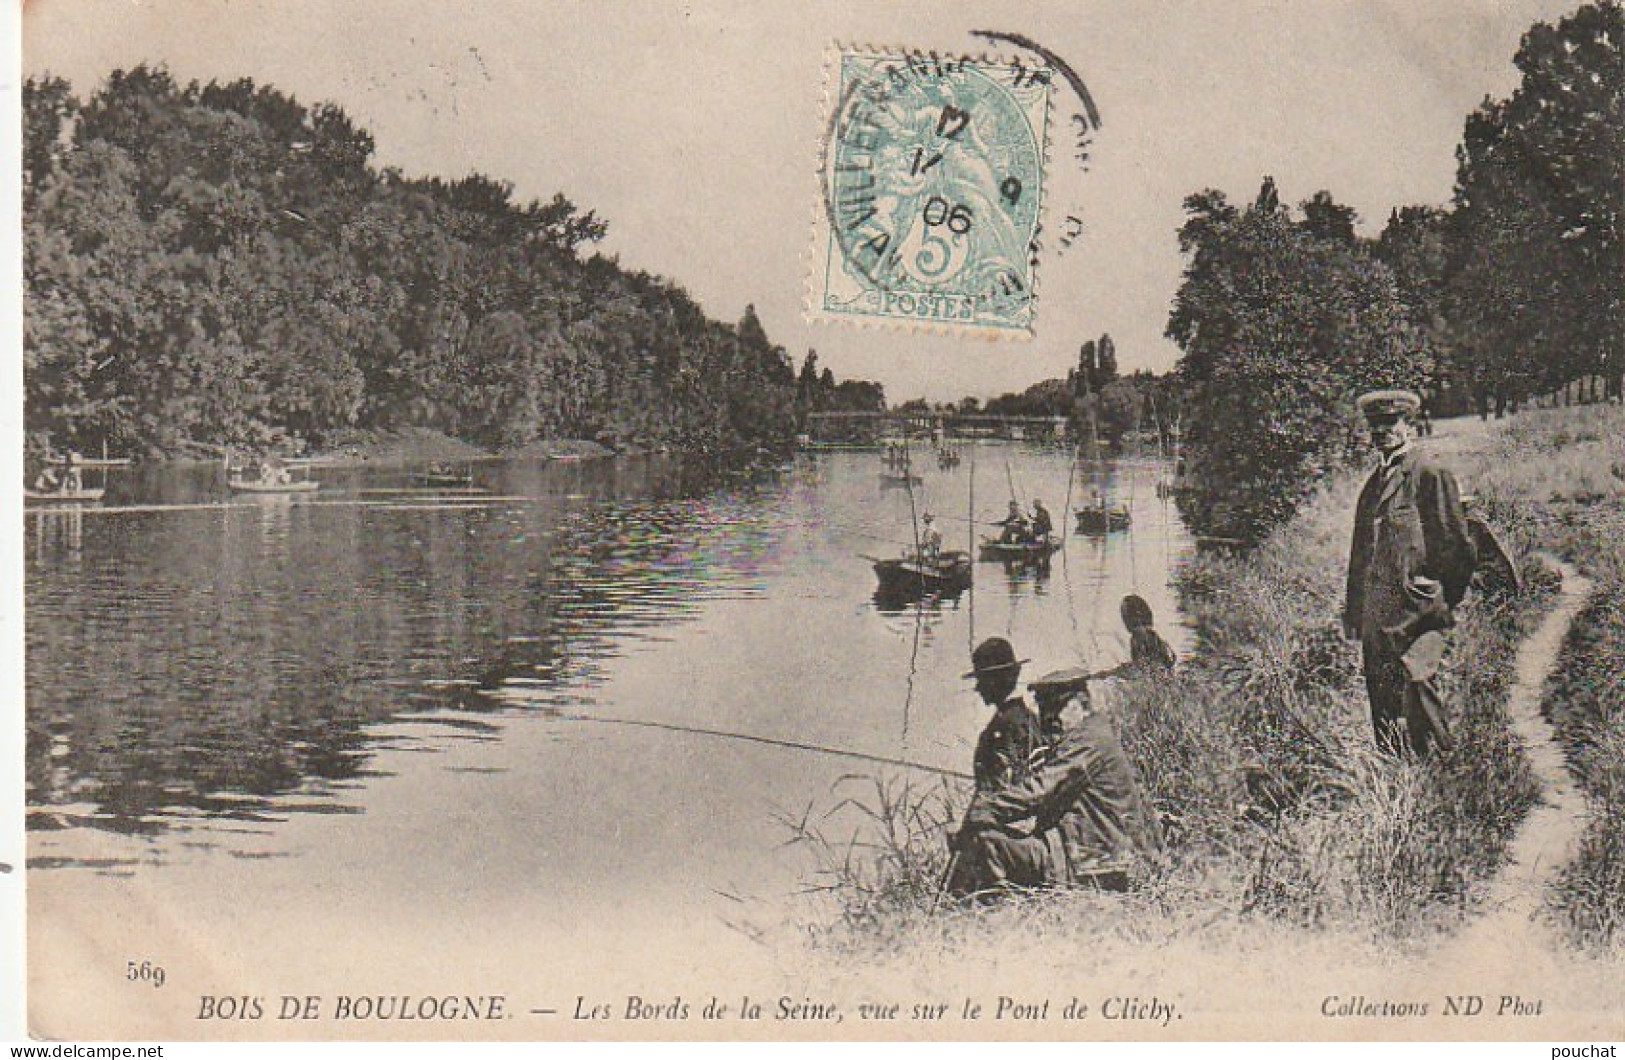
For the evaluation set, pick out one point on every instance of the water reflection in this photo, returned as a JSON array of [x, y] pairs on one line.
[[239, 661], [216, 662]]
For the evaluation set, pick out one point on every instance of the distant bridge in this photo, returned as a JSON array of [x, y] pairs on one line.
[[872, 426]]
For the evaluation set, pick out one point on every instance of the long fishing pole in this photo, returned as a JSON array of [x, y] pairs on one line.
[[1066, 566], [913, 666], [769, 741], [913, 514], [970, 548]]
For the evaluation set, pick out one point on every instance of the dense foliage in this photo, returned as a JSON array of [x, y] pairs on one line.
[[1512, 291], [1529, 286], [219, 264], [1283, 320]]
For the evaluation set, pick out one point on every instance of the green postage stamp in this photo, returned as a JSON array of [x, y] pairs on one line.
[[932, 182]]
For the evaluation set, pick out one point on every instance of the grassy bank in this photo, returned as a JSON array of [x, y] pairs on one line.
[[1259, 757], [1562, 473]]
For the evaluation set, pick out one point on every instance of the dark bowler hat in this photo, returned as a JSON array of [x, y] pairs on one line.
[[1380, 403], [1066, 682], [992, 655]]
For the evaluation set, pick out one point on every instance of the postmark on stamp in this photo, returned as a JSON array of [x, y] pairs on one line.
[[932, 182]]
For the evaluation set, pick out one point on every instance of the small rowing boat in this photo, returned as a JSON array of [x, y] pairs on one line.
[[948, 573], [1102, 520], [269, 474], [61, 480], [250, 485], [64, 496], [1018, 551]]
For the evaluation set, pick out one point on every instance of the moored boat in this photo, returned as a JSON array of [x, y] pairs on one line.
[[250, 485], [890, 481], [63, 496]]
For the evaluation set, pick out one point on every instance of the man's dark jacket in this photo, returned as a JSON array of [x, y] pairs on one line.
[[1004, 751], [1409, 533]]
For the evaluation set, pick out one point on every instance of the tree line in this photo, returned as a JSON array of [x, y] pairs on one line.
[[211, 265], [1512, 290]]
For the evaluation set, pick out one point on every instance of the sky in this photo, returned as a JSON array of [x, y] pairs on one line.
[[694, 128]]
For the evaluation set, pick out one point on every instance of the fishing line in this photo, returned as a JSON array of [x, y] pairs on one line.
[[970, 548], [745, 737], [1066, 566], [913, 667], [1133, 562]]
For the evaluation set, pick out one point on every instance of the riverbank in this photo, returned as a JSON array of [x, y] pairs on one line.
[[420, 446], [1562, 472], [1258, 754]]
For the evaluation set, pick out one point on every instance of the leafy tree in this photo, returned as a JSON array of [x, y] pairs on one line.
[[1539, 219], [1281, 326], [1105, 363], [48, 107], [1324, 218]]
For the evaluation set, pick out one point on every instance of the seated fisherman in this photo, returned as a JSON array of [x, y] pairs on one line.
[[1015, 526], [1080, 819], [1042, 526]]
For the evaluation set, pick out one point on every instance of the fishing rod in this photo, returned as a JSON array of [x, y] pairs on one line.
[[970, 550], [769, 741]]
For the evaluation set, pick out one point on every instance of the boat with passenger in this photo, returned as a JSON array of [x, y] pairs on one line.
[[1103, 518], [270, 474], [61, 480], [948, 572]]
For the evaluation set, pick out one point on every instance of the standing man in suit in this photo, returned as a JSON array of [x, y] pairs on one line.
[[1409, 568]]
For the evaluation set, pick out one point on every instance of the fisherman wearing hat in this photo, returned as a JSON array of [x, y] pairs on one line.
[[1409, 567], [1015, 526], [1005, 749], [930, 539], [1080, 819]]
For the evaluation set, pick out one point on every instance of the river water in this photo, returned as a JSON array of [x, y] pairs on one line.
[[396, 718]]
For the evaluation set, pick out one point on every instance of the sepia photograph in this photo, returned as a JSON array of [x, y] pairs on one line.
[[704, 520]]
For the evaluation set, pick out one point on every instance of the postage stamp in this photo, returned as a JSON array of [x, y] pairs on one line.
[[932, 185]]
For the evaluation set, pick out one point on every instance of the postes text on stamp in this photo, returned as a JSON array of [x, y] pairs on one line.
[[932, 181]]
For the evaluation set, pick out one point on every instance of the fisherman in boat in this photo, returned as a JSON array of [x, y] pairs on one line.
[[1080, 818], [273, 472], [930, 540], [1042, 525], [1015, 526], [74, 482], [47, 481], [1147, 650]]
